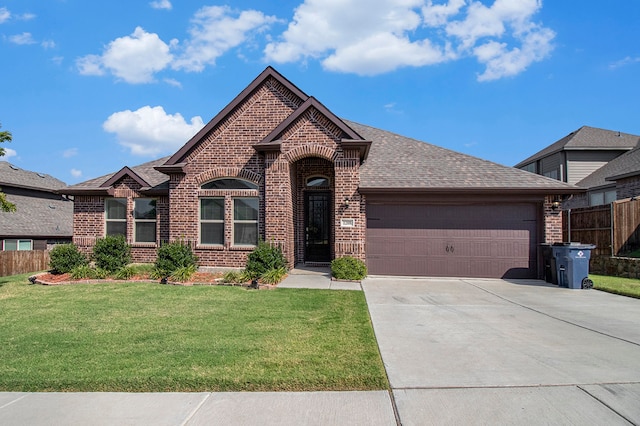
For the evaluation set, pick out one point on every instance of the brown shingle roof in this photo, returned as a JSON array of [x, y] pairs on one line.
[[587, 138], [399, 163], [626, 165]]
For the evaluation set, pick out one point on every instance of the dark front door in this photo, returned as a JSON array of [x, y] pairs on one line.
[[317, 227]]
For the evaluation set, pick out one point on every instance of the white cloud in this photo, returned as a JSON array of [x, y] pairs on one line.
[[369, 37], [161, 4], [216, 29], [71, 152], [24, 38], [76, 173], [135, 58], [172, 82], [26, 16], [8, 153], [48, 44], [628, 60], [150, 130], [4, 15]]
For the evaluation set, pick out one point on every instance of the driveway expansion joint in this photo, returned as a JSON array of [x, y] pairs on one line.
[[607, 405]]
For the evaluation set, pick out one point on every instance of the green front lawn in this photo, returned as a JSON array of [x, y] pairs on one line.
[[153, 338], [624, 286]]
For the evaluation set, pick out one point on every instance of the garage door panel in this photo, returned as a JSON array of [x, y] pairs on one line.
[[452, 240]]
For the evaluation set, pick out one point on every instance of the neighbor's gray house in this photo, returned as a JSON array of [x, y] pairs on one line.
[[276, 164], [42, 218], [603, 162]]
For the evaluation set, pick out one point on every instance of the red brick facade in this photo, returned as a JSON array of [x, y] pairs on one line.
[[628, 187], [310, 146], [275, 138]]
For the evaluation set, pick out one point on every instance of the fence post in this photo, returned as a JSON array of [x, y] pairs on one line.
[[613, 230], [569, 225]]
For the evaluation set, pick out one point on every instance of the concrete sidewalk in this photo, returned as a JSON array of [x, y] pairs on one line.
[[176, 409], [316, 278]]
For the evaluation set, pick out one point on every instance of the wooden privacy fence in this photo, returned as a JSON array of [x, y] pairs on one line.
[[614, 228], [21, 262]]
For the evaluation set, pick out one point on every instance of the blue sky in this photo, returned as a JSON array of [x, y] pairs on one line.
[[87, 87]]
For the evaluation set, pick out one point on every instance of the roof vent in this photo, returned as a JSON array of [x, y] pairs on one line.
[[52, 207], [618, 134], [13, 167], [41, 175]]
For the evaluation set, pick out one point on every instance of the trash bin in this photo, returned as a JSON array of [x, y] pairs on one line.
[[572, 264], [550, 272]]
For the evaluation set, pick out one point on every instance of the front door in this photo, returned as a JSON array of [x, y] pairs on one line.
[[317, 227]]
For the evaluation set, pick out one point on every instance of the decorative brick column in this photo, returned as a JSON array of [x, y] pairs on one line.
[[552, 222], [349, 208], [278, 204]]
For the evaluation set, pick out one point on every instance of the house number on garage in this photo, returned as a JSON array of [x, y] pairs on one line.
[[347, 223]]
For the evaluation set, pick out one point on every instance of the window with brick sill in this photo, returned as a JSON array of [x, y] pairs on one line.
[[116, 216], [144, 215]]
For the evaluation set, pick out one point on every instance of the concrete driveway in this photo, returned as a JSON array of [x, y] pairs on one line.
[[479, 351]]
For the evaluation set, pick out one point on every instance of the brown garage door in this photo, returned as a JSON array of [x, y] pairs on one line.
[[493, 241]]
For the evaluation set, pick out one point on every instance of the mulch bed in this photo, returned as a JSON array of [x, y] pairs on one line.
[[199, 278]]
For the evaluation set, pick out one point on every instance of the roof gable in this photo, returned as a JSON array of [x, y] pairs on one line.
[[587, 138], [124, 172], [268, 73]]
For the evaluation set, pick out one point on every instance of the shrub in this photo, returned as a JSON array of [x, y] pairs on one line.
[[111, 253], [82, 272], [273, 276], [173, 256], [101, 273], [126, 272], [65, 257], [348, 268], [265, 257], [183, 273], [235, 277]]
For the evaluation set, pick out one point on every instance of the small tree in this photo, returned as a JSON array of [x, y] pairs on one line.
[[5, 205]]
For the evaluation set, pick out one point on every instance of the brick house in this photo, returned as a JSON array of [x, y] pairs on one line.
[[276, 164]]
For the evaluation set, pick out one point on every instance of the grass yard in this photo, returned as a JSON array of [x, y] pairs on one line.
[[154, 338], [624, 286]]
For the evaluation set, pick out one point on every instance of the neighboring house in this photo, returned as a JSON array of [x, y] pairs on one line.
[[276, 164], [588, 158], [42, 217]]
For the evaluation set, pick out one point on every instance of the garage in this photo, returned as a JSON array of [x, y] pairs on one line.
[[453, 240]]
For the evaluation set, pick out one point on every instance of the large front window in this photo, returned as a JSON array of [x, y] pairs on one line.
[[144, 214], [245, 221], [212, 221], [116, 216]]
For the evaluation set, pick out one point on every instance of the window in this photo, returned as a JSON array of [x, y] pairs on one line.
[[17, 245], [553, 174], [144, 214], [229, 183], [245, 221], [116, 216], [531, 167], [212, 221], [599, 198], [610, 196], [318, 182]]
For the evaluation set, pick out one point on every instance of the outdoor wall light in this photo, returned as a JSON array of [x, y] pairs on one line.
[[555, 205], [346, 201]]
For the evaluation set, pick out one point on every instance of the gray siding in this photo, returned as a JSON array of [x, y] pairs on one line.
[[552, 163], [581, 164]]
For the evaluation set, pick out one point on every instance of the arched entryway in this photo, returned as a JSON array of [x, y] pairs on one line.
[[313, 180]]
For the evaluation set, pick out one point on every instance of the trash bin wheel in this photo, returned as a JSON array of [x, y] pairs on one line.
[[587, 283]]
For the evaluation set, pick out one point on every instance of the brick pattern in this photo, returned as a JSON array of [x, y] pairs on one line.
[[89, 220], [628, 188], [552, 222]]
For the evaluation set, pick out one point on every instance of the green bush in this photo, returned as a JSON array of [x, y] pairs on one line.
[[265, 257], [273, 276], [126, 272], [173, 256], [83, 272], [111, 253], [65, 257], [235, 277], [348, 268], [183, 273]]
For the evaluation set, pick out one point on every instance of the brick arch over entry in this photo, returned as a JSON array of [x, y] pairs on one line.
[[311, 151], [222, 172]]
